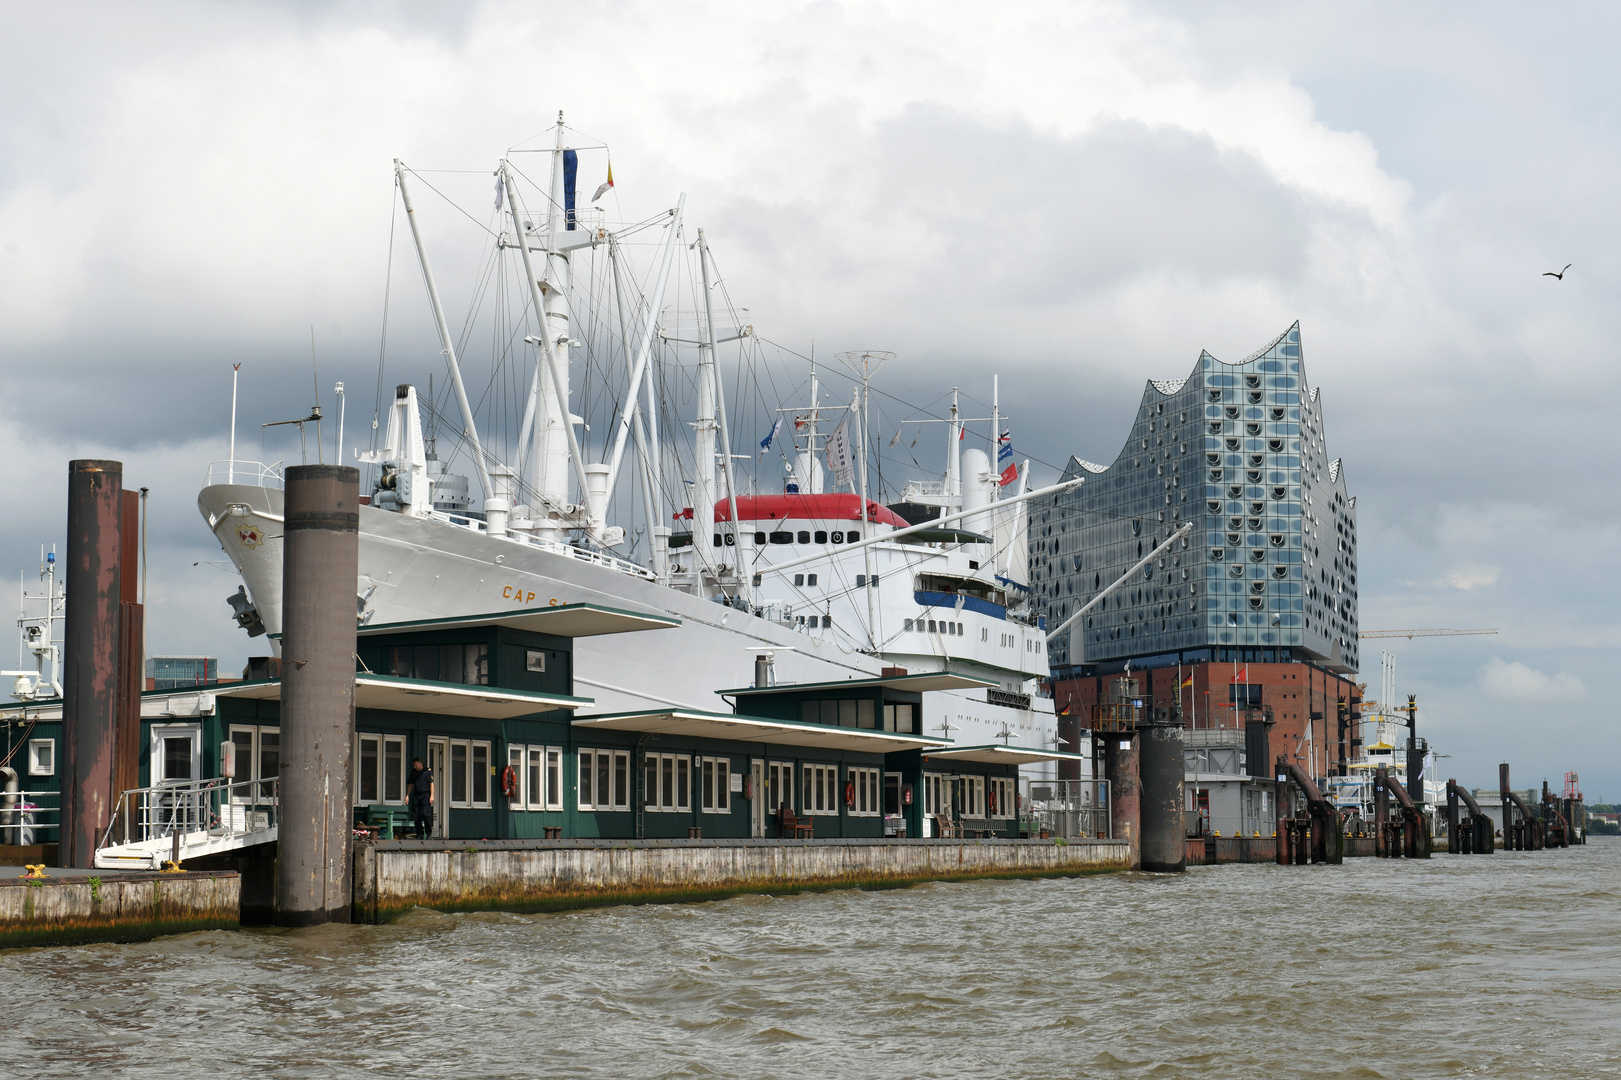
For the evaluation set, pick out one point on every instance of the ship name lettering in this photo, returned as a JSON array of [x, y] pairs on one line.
[[517, 595]]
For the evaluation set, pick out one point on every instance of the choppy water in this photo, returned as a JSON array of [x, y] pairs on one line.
[[1502, 966]]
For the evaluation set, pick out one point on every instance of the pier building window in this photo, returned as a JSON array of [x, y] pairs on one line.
[[973, 796], [715, 784], [1003, 802], [821, 796], [779, 786], [257, 750], [936, 803], [379, 768], [41, 757], [604, 780], [540, 777], [669, 782], [465, 664], [866, 783], [469, 773], [898, 718]]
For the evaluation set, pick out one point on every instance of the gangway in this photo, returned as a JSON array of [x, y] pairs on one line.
[[1471, 837], [1409, 837], [1522, 830], [1318, 835], [175, 822]]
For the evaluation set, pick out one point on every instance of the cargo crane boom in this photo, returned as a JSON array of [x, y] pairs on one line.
[[1410, 634]]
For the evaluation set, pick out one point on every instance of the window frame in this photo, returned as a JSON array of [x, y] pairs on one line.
[[1006, 796], [869, 791], [34, 747], [590, 761], [820, 784], [680, 783], [467, 746], [715, 785]]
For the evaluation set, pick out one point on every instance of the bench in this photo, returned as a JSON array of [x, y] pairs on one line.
[[386, 821], [945, 828], [789, 825]]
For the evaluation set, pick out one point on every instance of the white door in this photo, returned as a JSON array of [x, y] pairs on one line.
[[176, 760], [439, 762]]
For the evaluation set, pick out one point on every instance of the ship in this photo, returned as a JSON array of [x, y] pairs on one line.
[[808, 577]]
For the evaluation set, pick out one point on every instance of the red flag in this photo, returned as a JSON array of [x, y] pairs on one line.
[[1241, 675]]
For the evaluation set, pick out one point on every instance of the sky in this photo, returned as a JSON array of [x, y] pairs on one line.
[[1075, 196]]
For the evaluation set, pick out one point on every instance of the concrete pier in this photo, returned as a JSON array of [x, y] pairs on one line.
[[71, 908], [393, 876], [1161, 798], [319, 571], [90, 685]]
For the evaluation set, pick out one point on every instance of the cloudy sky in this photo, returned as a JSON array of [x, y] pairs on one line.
[[1077, 196]]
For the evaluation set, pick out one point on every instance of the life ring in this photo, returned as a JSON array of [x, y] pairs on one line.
[[990, 801], [509, 782], [849, 793]]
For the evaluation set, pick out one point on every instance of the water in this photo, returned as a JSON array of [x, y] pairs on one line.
[[1500, 966]]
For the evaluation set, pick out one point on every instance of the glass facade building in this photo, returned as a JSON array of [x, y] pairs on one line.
[[179, 672], [1268, 572]]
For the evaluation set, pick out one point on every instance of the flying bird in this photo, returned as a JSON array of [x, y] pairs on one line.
[[1560, 275]]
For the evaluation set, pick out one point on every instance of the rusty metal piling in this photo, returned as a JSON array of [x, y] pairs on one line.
[[1161, 797], [90, 689]]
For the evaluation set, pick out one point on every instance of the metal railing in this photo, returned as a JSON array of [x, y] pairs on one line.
[[472, 524], [249, 473], [220, 809], [30, 817], [1073, 809]]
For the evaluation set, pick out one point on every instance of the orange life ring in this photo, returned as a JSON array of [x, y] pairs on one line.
[[509, 782], [849, 793], [990, 801]]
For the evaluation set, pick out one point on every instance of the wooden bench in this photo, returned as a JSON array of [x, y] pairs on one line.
[[789, 825], [945, 828]]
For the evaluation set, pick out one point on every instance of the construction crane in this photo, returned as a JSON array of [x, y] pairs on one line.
[[1410, 634]]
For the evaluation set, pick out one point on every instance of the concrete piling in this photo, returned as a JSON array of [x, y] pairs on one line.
[[1162, 771], [90, 687], [319, 570]]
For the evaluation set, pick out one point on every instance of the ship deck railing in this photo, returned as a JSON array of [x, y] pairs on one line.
[[246, 473], [579, 554]]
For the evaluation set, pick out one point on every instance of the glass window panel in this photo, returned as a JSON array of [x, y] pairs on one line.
[[865, 711], [393, 770], [604, 778], [269, 761], [588, 776], [426, 659], [683, 775], [399, 662], [621, 781], [723, 785], [554, 779], [368, 768], [177, 757], [706, 785], [450, 663], [667, 782], [847, 712], [458, 772], [481, 773]]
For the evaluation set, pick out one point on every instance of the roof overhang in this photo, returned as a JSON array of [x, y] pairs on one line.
[[420, 696], [996, 754], [756, 729], [564, 620], [919, 683]]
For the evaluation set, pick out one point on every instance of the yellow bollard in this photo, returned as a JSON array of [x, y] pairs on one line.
[[171, 867], [33, 870]]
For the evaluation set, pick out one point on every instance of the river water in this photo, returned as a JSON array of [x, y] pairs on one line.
[[1501, 966]]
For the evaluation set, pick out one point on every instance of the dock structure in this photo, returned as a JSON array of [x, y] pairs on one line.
[[1522, 829], [1469, 834], [56, 907]]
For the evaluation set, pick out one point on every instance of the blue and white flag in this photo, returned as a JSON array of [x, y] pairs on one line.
[[765, 443]]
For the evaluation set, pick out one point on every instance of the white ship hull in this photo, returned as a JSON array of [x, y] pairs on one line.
[[427, 567]]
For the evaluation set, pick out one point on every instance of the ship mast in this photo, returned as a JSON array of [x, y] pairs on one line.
[[491, 503], [716, 414]]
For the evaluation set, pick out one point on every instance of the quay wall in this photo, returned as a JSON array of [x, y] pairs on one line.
[[114, 906], [393, 876]]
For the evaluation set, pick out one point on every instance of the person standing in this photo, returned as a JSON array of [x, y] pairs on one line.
[[421, 788]]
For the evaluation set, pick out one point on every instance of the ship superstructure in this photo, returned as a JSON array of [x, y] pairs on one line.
[[831, 583]]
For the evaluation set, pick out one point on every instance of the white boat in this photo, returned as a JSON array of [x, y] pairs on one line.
[[937, 580]]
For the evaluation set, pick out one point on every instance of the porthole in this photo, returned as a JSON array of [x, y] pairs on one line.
[[1232, 444], [821, 536], [837, 537], [1231, 411], [1277, 540]]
